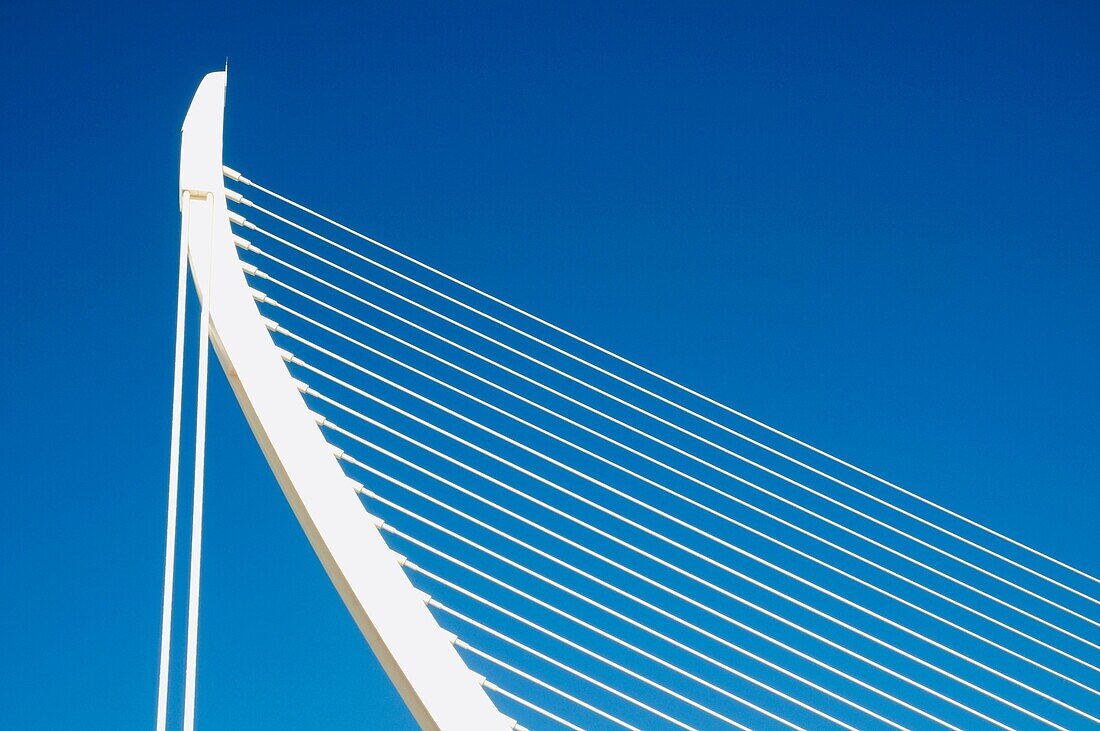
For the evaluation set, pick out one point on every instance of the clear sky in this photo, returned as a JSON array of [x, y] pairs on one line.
[[875, 226]]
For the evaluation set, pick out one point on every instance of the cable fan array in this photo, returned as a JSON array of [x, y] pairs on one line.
[[612, 549]]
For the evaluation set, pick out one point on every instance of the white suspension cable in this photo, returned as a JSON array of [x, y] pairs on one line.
[[238, 177], [271, 301], [664, 663], [463, 645], [173, 470], [692, 552], [665, 422], [583, 650], [529, 705], [501, 323], [695, 458], [744, 437], [703, 557], [280, 329], [618, 615], [707, 608], [594, 579], [191, 664]]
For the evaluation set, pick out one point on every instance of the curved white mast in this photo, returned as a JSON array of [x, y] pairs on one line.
[[418, 655]]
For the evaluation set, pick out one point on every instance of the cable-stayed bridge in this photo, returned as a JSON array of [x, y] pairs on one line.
[[534, 532]]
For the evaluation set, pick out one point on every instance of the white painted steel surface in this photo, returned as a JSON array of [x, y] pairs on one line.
[[418, 655]]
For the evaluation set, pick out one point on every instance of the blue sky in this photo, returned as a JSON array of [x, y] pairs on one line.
[[874, 226]]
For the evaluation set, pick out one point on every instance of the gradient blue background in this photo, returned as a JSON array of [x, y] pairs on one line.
[[874, 226]]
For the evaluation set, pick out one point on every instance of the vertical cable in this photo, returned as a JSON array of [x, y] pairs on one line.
[[173, 472], [196, 514]]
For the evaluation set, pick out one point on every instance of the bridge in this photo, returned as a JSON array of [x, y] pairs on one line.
[[534, 532]]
